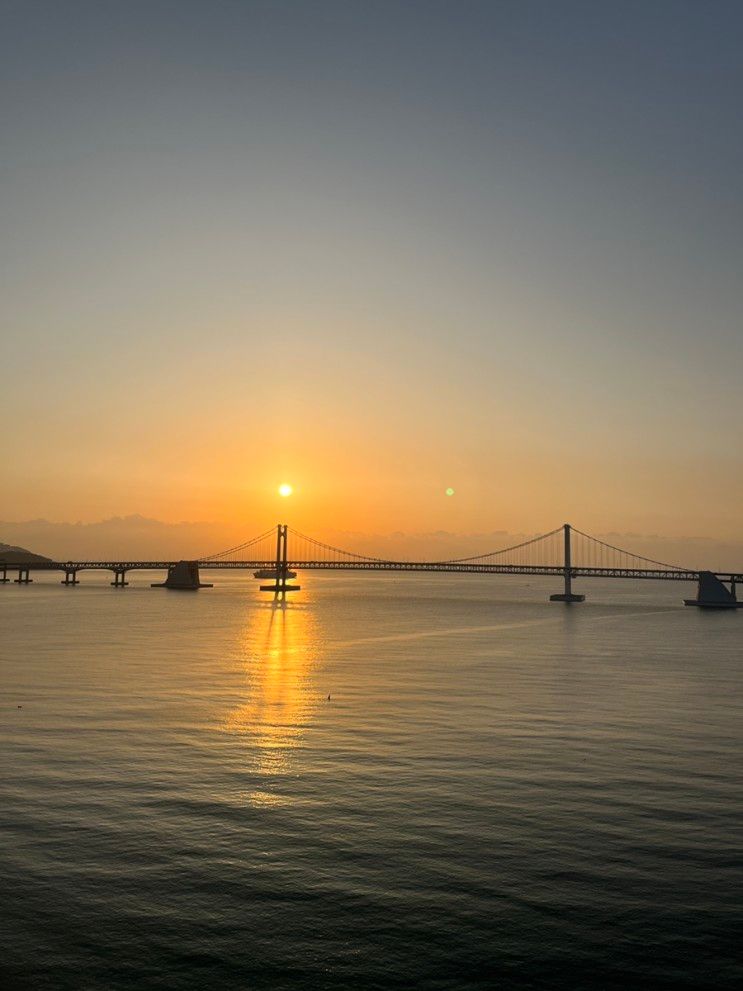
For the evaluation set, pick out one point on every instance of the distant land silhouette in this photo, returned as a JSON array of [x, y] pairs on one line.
[[12, 555]]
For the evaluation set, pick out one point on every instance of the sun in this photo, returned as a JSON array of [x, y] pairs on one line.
[[285, 489]]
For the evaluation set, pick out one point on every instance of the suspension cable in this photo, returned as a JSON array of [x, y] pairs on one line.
[[504, 550], [338, 550], [238, 547], [620, 550]]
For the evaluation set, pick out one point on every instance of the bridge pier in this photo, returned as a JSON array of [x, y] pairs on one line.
[[70, 577], [4, 578], [119, 578], [24, 577], [184, 576], [568, 595], [712, 594]]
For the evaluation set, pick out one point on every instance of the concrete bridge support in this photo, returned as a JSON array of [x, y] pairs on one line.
[[70, 577], [24, 577], [119, 578], [712, 594], [4, 579], [568, 595], [184, 576]]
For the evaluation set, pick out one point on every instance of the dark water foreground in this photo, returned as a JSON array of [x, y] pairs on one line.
[[500, 792]]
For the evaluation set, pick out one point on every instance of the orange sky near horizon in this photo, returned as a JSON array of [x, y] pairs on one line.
[[370, 437]]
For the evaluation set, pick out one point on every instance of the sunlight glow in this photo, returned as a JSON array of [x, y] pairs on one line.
[[285, 489], [282, 655]]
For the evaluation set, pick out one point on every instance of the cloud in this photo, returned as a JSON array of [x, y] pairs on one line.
[[132, 536], [137, 536]]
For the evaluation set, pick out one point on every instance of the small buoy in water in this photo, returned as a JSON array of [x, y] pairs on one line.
[[20, 706], [328, 698]]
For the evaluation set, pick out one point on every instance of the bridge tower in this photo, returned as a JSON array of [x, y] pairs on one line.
[[568, 595], [280, 588]]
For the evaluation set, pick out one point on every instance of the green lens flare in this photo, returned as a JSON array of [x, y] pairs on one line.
[[450, 491]]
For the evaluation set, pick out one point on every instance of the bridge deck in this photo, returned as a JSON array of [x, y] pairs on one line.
[[444, 567]]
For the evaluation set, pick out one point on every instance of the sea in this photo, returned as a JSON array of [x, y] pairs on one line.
[[390, 781]]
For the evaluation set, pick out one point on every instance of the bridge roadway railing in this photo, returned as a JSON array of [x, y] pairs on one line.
[[447, 567], [654, 574]]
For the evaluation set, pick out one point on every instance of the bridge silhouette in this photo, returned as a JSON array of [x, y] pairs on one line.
[[565, 553]]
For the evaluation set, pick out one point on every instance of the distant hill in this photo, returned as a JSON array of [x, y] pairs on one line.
[[18, 555]]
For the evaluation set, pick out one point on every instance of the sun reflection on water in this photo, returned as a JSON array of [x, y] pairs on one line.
[[281, 649]]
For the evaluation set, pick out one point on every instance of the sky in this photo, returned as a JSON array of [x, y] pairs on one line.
[[375, 250]]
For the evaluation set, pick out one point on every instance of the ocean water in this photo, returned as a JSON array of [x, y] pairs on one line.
[[435, 782]]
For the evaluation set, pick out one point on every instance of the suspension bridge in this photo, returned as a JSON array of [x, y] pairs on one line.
[[276, 556]]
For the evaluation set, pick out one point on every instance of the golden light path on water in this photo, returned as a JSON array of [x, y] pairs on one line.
[[281, 648]]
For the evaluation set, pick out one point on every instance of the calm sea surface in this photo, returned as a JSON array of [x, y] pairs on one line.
[[440, 782]]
